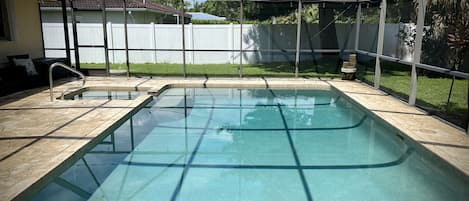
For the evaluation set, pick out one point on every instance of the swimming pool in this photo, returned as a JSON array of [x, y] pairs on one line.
[[101, 94], [254, 144]]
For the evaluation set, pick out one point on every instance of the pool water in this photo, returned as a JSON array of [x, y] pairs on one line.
[[204, 144], [104, 95]]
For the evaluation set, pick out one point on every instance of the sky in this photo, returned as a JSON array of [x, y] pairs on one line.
[[193, 1]]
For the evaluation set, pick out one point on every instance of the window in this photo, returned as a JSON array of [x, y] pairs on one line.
[[4, 23]]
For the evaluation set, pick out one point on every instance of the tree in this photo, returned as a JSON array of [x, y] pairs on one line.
[[401, 11], [253, 11], [310, 15], [447, 22], [173, 3], [228, 9]]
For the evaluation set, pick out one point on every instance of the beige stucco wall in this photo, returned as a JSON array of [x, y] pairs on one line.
[[26, 30]]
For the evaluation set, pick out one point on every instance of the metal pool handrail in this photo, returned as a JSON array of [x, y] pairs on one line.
[[51, 84]]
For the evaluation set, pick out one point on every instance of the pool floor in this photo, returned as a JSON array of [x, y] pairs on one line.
[[253, 144]]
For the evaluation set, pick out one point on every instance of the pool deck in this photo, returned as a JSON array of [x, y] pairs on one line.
[[37, 135]]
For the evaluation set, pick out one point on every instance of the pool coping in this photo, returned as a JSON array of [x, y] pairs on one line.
[[70, 94], [155, 87]]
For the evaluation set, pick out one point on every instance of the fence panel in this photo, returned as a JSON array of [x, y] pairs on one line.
[[204, 37]]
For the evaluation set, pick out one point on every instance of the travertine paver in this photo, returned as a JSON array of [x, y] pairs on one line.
[[37, 135]]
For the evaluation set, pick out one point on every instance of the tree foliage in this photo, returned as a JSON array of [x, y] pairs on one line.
[[228, 9], [172, 3], [401, 11], [268, 13], [446, 33], [446, 39]]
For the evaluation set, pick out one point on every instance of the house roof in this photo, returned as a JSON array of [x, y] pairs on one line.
[[205, 16], [96, 5]]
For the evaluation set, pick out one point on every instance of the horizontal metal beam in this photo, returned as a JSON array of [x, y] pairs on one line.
[[443, 70], [387, 58], [418, 65], [383, 57], [244, 50], [92, 46], [393, 59], [218, 50]]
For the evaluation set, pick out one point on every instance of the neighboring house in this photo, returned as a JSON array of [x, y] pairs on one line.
[[21, 29], [89, 11], [205, 16]]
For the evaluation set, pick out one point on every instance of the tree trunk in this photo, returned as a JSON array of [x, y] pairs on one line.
[[465, 63]]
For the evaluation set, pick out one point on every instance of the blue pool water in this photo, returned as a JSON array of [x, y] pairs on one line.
[[254, 144]]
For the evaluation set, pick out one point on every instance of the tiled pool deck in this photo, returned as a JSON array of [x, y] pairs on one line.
[[37, 135]]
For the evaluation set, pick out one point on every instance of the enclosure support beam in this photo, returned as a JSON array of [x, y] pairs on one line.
[[67, 37], [106, 52], [183, 40], [358, 21], [379, 48], [75, 36], [298, 38], [417, 50], [126, 36], [240, 69]]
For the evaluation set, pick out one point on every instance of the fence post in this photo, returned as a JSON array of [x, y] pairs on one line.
[[269, 43], [75, 36], [417, 50], [111, 39], [153, 42], [191, 42], [126, 39], [230, 43], [358, 21], [379, 48], [67, 37], [240, 69], [183, 24], [106, 51], [298, 39]]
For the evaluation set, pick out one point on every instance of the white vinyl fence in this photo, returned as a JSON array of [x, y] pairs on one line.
[[213, 37]]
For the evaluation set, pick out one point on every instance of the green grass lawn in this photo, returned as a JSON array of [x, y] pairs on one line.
[[432, 92], [231, 70]]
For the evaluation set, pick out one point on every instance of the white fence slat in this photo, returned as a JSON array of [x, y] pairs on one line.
[[213, 36]]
